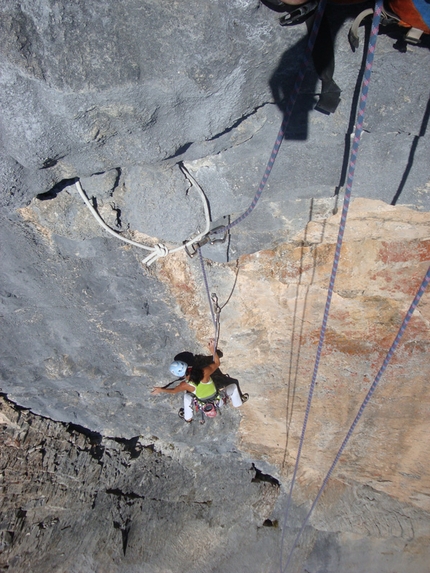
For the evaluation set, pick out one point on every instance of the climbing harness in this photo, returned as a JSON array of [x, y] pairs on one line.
[[210, 407], [158, 250], [366, 400]]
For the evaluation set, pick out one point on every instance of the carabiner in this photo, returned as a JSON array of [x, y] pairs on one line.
[[299, 14]]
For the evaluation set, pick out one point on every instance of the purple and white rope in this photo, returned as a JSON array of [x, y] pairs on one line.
[[366, 400], [346, 202], [205, 279], [287, 115]]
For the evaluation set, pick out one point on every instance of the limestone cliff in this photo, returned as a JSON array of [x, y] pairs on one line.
[[97, 474]]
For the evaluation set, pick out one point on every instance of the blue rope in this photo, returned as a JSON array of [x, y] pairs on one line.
[[287, 115], [366, 400], [346, 202]]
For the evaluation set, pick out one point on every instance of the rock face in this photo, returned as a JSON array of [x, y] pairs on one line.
[[75, 502], [98, 474]]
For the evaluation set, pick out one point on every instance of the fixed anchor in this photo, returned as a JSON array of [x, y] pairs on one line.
[[218, 233], [216, 306]]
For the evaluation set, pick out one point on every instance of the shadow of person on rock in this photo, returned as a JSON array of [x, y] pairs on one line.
[[321, 68]]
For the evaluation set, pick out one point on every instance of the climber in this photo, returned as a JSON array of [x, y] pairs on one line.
[[199, 383], [184, 362]]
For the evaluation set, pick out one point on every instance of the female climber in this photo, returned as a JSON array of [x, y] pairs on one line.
[[200, 383]]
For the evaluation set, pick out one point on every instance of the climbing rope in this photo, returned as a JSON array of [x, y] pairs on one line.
[[346, 202], [215, 317], [366, 400], [287, 115], [158, 250]]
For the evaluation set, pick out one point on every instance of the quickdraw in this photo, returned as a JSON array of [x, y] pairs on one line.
[[299, 14], [214, 236]]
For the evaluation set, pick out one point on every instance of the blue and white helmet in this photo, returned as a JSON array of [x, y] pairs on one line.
[[178, 368]]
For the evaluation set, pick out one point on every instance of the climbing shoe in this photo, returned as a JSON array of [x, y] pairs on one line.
[[181, 415]]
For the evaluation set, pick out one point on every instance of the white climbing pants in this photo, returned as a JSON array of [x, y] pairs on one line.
[[231, 391], [188, 407]]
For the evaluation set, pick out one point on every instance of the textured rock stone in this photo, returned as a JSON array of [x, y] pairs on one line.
[[118, 94], [140, 86], [76, 502], [275, 315], [94, 87]]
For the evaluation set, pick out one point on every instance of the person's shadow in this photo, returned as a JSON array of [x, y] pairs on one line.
[[323, 68]]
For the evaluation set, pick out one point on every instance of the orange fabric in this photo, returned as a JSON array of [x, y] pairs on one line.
[[408, 14], [404, 9]]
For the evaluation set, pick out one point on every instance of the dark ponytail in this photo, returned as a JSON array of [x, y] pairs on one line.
[[196, 375]]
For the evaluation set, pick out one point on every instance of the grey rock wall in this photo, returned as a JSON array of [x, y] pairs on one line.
[[118, 94], [92, 87], [89, 87], [137, 86]]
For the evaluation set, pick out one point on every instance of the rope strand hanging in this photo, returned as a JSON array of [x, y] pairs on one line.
[[347, 198], [287, 115], [366, 400], [215, 319]]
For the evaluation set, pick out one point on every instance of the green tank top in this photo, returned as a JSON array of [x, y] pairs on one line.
[[204, 390]]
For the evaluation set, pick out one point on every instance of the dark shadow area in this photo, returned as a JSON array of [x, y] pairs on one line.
[[54, 191], [321, 68], [234, 125], [396, 33], [410, 162], [125, 530], [262, 477], [180, 151], [353, 112], [270, 523], [94, 437], [281, 84], [282, 80], [131, 445], [48, 163]]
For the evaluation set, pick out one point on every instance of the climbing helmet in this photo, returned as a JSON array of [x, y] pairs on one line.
[[178, 368]]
